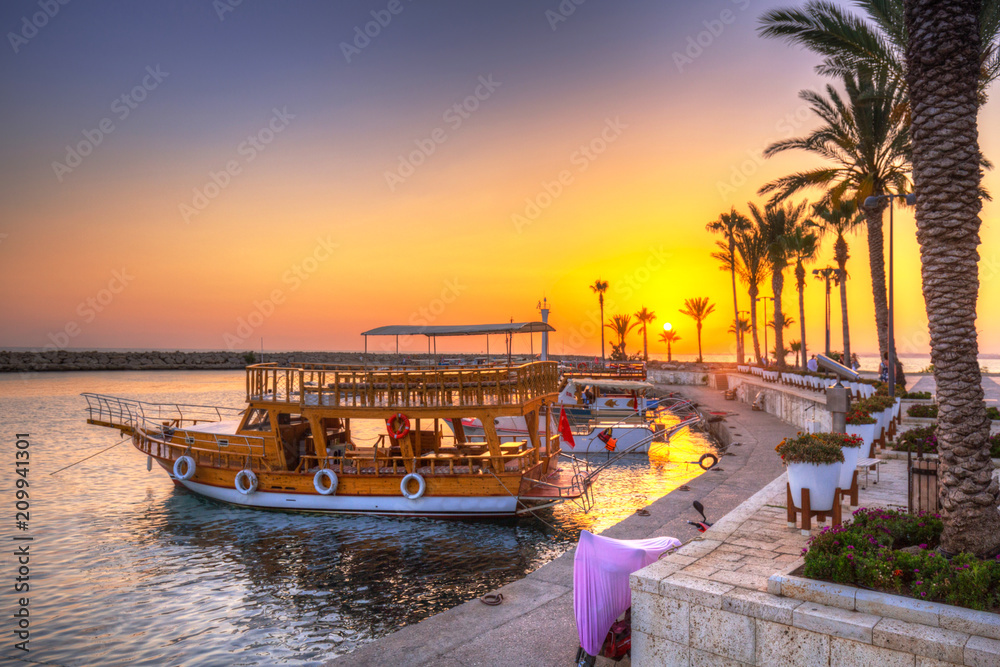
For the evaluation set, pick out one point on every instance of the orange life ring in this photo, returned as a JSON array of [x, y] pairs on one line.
[[403, 427]]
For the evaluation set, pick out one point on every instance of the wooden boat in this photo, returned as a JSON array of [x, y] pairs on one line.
[[294, 447]]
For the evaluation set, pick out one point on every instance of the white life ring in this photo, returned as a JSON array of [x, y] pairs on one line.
[[189, 467], [251, 482], [421, 486], [325, 482]]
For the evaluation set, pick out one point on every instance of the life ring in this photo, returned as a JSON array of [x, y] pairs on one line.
[[189, 467], [404, 425], [582, 365], [701, 461], [325, 482], [421, 486], [251, 482]]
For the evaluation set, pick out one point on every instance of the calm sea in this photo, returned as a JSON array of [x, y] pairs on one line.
[[128, 569]]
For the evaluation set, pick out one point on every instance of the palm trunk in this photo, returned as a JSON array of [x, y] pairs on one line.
[[736, 306], [942, 72], [876, 262], [840, 252], [668, 352], [645, 344], [699, 342], [800, 277], [777, 283], [753, 322], [600, 299]]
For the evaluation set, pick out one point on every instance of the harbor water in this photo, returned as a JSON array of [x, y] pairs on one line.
[[126, 568]]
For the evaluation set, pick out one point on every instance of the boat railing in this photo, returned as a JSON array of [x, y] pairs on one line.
[[159, 429], [378, 464], [345, 387]]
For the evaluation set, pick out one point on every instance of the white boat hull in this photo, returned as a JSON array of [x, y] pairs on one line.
[[430, 506], [514, 428]]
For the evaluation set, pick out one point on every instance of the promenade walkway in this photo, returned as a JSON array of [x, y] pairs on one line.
[[535, 624]]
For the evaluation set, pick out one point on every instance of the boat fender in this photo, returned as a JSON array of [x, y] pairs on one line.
[[712, 458], [398, 425], [421, 486], [325, 481], [187, 463], [246, 482]]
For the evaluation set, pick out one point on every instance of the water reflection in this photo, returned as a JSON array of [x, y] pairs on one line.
[[137, 571]]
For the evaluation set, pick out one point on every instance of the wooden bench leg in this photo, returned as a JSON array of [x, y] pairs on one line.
[[854, 489], [806, 513], [790, 505]]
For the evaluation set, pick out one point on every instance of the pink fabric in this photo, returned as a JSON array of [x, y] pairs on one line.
[[600, 581]]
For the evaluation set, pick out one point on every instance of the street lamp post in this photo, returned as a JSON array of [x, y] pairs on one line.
[[742, 330], [871, 202], [765, 299]]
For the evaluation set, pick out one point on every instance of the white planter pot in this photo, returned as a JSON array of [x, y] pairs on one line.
[[866, 431], [851, 456], [821, 480]]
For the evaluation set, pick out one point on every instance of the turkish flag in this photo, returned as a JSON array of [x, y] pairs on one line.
[[564, 429]]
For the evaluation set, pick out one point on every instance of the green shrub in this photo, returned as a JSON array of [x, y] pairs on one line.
[[917, 395], [819, 448], [923, 411], [866, 552]]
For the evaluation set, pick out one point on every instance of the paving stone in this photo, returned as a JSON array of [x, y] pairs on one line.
[[723, 633], [897, 606], [982, 652], [648, 578], [759, 604], [971, 621], [702, 592], [700, 570], [781, 645], [748, 580], [835, 621], [846, 653], [662, 617], [650, 650], [925, 640]]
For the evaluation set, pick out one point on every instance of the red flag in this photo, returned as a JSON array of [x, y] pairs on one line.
[[564, 429]]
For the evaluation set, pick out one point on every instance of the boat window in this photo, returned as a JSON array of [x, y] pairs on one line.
[[259, 420]]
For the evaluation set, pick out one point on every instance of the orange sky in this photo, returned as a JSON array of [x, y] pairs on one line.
[[310, 235]]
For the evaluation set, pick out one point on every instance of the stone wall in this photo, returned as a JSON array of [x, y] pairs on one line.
[[669, 376], [795, 406]]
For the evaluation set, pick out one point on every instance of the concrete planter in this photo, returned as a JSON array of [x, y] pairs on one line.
[[851, 455], [866, 431], [820, 479]]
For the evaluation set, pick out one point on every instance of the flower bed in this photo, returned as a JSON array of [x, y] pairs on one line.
[[924, 440], [892, 551]]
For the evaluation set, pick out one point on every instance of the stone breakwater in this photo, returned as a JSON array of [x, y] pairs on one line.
[[98, 360]]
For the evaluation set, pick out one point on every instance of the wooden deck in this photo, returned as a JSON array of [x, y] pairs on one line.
[[559, 484]]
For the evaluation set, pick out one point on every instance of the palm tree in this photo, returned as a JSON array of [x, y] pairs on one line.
[[669, 337], [864, 138], [752, 268], [621, 325], [802, 245], [875, 42], [728, 225], [796, 347], [839, 218], [739, 327], [645, 317], [600, 287], [943, 63], [698, 309], [776, 222]]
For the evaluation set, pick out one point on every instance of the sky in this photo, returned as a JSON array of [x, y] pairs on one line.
[[206, 174]]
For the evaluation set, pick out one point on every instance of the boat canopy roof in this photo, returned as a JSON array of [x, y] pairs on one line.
[[458, 330], [602, 383]]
